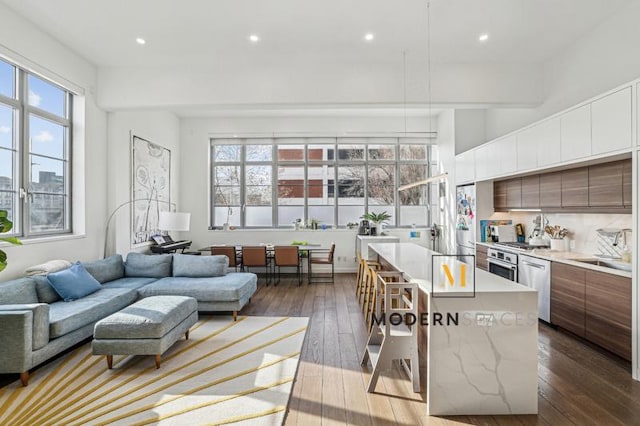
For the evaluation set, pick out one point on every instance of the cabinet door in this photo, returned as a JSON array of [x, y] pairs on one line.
[[482, 162], [527, 148], [547, 135], [608, 312], [514, 193], [551, 190], [568, 297], [481, 257], [500, 195], [575, 130], [605, 185], [465, 167], [507, 154], [627, 185], [575, 187], [531, 191], [611, 122]]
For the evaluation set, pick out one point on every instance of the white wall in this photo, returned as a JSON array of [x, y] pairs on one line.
[[469, 128], [27, 45], [161, 128], [604, 58]]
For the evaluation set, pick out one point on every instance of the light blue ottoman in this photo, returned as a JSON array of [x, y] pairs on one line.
[[148, 327]]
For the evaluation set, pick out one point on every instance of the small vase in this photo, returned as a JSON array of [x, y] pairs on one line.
[[225, 226], [558, 244]]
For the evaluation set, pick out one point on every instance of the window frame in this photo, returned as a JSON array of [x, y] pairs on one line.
[[305, 163], [22, 171]]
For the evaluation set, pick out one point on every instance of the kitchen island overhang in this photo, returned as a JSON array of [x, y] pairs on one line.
[[485, 362]]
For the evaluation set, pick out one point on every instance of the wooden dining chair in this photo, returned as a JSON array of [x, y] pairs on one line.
[[322, 257], [287, 256], [234, 260], [256, 256]]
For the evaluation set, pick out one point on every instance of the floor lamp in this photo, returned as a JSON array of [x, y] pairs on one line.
[[113, 213]]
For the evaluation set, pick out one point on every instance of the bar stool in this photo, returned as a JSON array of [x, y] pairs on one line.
[[369, 286], [377, 306]]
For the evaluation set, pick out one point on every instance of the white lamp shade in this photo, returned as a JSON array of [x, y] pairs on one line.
[[174, 221]]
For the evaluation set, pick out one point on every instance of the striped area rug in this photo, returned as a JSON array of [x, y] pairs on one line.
[[226, 373]]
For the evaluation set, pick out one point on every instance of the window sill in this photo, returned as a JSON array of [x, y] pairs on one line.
[[48, 239]]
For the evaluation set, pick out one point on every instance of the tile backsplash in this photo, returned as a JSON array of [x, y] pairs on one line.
[[581, 227]]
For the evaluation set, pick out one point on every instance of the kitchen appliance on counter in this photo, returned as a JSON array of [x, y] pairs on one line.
[[465, 220], [514, 245], [365, 228], [503, 263], [538, 236], [536, 273]]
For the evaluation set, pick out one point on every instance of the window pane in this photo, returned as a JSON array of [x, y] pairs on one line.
[[323, 152], [287, 215], [351, 152], [259, 152], [259, 216], [6, 170], [227, 196], [46, 138], [226, 175], [323, 214], [226, 153], [410, 173], [258, 195], [47, 175], [6, 126], [348, 214], [258, 175], [291, 185], [222, 215], [351, 184], [291, 152], [7, 80], [46, 96], [381, 152], [413, 215], [47, 213], [319, 192], [413, 152], [8, 203], [381, 185]]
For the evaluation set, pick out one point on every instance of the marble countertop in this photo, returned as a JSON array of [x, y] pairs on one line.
[[415, 262], [568, 257]]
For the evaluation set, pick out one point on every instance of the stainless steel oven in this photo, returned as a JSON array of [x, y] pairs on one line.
[[503, 263]]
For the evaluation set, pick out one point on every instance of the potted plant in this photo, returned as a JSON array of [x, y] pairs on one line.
[[5, 226], [376, 219], [314, 223]]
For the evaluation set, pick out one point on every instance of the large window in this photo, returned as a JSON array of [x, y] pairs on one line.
[[274, 182], [35, 146]]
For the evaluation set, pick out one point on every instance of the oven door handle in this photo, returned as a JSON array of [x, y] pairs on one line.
[[503, 264]]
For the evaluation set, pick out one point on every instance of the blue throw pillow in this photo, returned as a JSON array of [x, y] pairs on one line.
[[73, 283]]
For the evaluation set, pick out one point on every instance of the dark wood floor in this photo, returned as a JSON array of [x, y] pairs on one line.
[[577, 383]]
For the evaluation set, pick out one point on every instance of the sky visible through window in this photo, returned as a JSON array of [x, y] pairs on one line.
[[6, 79]]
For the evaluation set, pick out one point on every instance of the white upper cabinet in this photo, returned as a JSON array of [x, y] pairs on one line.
[[611, 122], [548, 142], [482, 162], [575, 128], [527, 147], [505, 152], [465, 167]]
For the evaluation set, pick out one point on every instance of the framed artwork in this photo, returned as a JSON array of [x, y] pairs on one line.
[[151, 178]]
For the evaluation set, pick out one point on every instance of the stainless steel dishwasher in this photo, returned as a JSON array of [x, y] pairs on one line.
[[536, 273]]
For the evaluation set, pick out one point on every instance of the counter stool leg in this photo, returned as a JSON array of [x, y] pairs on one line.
[[110, 361], [157, 361]]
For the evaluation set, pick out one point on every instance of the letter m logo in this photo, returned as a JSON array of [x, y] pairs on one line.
[[453, 275]]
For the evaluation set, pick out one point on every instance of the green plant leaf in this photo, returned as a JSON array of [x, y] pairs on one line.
[[12, 240]]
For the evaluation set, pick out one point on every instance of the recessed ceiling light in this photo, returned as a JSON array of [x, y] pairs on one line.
[[254, 38], [483, 37], [140, 40], [368, 36]]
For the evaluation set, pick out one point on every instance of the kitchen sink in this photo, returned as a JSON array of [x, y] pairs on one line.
[[607, 263]]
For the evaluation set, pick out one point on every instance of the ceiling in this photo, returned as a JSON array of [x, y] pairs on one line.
[[327, 36]]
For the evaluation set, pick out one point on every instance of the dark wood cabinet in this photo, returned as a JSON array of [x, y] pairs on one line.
[[550, 190], [605, 185], [575, 187], [531, 191], [481, 257], [627, 184], [514, 193], [568, 297], [608, 312], [500, 196]]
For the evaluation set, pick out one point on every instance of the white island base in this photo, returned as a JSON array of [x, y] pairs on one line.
[[487, 363]]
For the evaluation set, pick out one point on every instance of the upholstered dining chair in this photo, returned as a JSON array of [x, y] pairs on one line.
[[287, 256], [256, 256], [235, 261], [322, 257]]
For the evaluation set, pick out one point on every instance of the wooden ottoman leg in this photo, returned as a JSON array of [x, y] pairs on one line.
[[110, 361], [24, 378], [157, 361]]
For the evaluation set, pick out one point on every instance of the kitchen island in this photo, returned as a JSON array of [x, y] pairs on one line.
[[480, 346]]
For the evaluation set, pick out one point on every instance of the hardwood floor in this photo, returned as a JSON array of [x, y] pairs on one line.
[[578, 383]]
